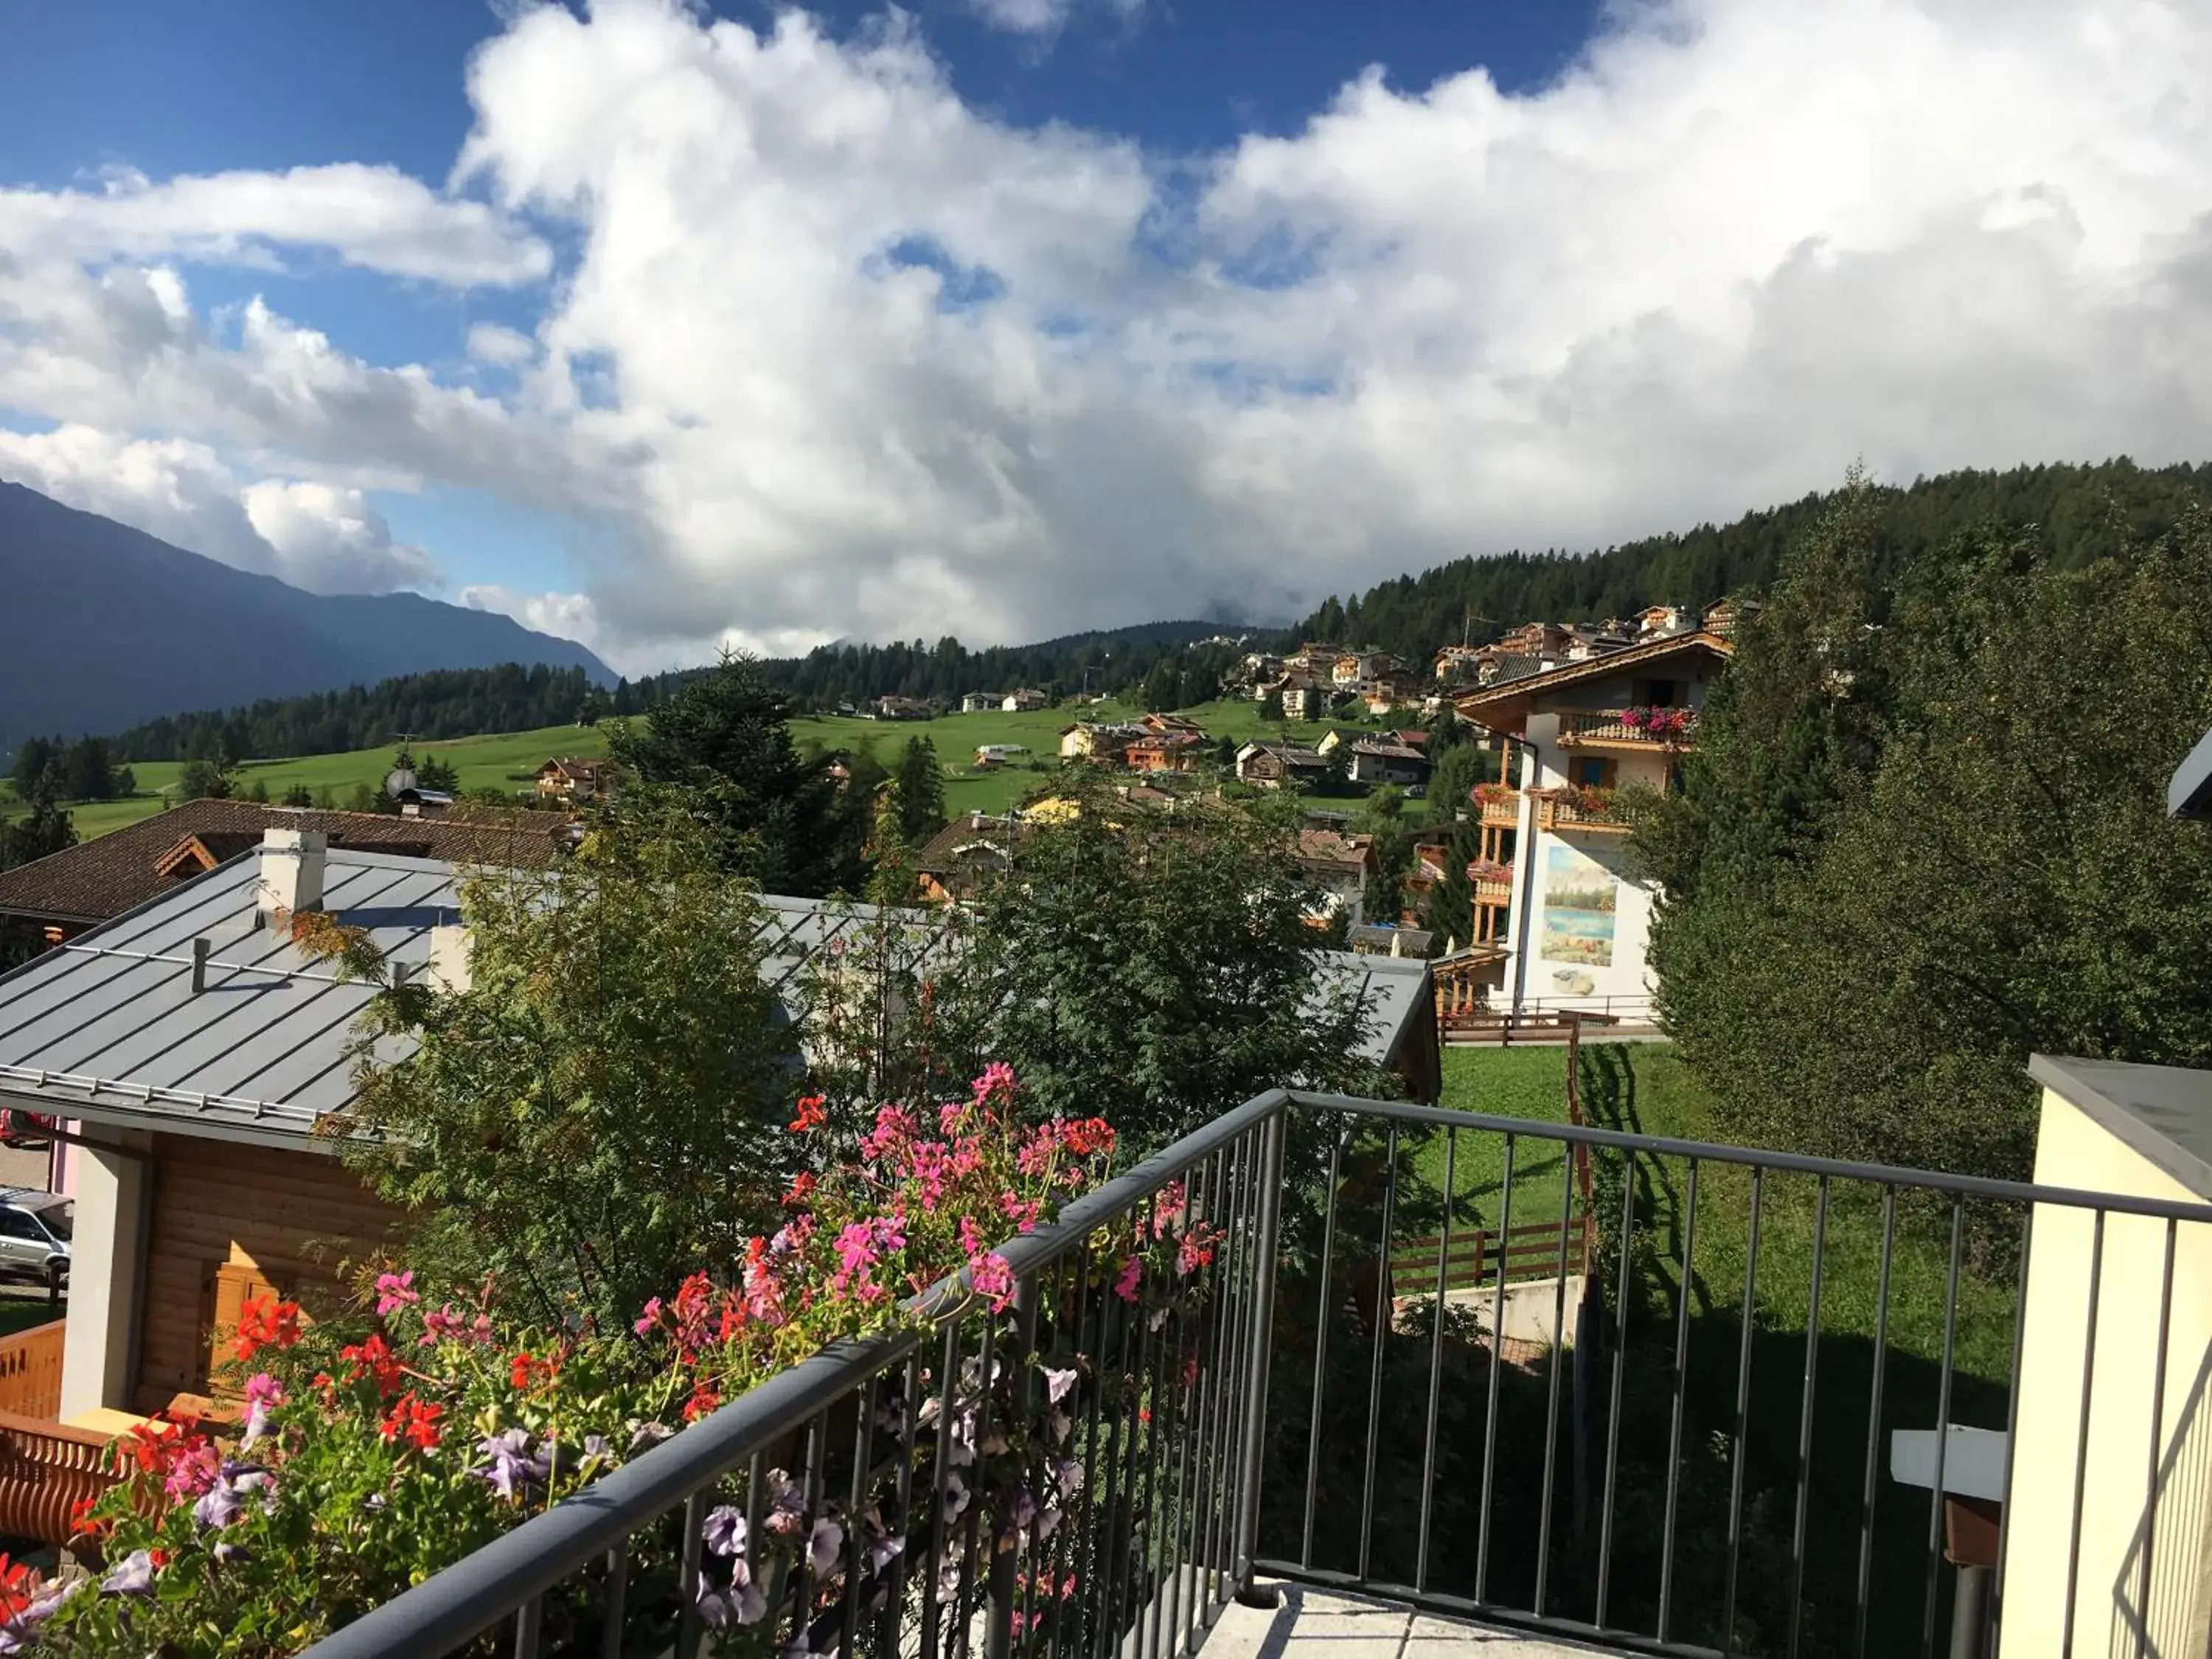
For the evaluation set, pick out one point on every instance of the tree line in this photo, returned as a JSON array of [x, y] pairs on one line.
[[2072, 516]]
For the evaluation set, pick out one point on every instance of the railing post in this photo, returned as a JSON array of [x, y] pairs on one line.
[[1267, 1250], [1005, 1585]]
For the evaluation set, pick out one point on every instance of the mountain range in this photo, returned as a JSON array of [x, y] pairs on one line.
[[106, 626]]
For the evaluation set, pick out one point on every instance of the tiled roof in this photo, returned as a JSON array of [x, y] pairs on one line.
[[98, 879], [941, 851]]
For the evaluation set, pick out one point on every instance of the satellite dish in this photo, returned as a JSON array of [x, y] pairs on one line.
[[397, 779]]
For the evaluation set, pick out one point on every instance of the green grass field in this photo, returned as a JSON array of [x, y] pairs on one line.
[[1646, 1088], [504, 760]]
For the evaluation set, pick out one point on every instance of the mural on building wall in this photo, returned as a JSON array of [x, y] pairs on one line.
[[1578, 904]]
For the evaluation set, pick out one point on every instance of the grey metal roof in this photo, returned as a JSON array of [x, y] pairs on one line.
[[107, 1027]]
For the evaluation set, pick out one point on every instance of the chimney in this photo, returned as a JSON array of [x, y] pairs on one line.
[[449, 959], [291, 875]]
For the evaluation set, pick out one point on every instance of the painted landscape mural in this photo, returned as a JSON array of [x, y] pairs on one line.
[[1578, 905]]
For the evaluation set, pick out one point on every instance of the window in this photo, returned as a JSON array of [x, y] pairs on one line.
[[60, 1219], [1589, 772], [13, 1223], [1660, 693]]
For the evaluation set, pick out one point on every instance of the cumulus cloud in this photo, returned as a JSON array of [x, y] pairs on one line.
[[1046, 17], [315, 536], [837, 354], [372, 216]]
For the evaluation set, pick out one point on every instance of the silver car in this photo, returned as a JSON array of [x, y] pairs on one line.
[[34, 1232]]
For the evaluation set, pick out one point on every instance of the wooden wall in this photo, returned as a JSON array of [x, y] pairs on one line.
[[291, 1219]]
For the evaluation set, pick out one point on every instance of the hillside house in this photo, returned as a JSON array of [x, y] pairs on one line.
[[992, 756], [1578, 732], [1174, 724], [1341, 862], [1272, 765], [1456, 663], [972, 853], [900, 708], [1099, 741], [1380, 760], [569, 777], [1023, 702], [80, 887], [1304, 703], [1657, 619], [1165, 751], [981, 702]]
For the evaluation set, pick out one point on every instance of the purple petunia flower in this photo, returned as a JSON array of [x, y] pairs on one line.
[[824, 1546], [132, 1575], [218, 1506], [724, 1531], [1057, 1384], [512, 1465]]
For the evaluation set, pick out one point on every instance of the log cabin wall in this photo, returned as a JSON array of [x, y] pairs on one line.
[[230, 1221]]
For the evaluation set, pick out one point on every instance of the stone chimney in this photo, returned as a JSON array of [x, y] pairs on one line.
[[449, 959], [291, 875]]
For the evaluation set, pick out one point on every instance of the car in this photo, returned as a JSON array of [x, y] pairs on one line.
[[19, 1128], [35, 1229]]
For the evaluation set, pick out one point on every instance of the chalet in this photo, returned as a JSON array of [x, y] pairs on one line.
[[1102, 741], [1534, 640], [416, 802], [80, 887], [1313, 657], [1657, 619], [900, 708], [1165, 751], [1725, 616], [1576, 732], [1272, 765], [1390, 690], [981, 702], [1174, 724], [1304, 703], [566, 777], [1340, 863], [991, 755], [1386, 939], [973, 852], [1376, 760], [1025, 702], [1457, 662]]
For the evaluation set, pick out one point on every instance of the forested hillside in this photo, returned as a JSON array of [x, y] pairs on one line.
[[2078, 514], [1107, 661]]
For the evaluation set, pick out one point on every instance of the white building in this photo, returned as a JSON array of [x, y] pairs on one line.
[[1576, 926]]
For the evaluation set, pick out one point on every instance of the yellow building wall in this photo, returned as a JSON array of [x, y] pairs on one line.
[[2112, 1615]]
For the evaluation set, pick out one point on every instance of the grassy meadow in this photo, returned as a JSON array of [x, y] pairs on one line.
[[507, 759]]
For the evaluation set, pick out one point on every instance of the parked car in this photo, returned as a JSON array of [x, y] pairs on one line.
[[35, 1229], [20, 1128]]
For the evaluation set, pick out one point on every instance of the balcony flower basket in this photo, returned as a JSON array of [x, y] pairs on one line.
[[1659, 724], [1491, 794]]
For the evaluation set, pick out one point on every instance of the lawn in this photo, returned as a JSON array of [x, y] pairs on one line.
[[1644, 1088], [506, 760]]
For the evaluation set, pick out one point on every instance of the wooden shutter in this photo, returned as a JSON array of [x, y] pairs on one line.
[[236, 1283]]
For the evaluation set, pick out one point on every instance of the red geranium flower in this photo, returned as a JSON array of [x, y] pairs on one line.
[[264, 1319], [811, 1114], [416, 1420]]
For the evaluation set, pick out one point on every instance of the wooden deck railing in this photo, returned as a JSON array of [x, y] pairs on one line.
[[1655, 728], [1527, 1251], [1558, 810], [31, 1370], [46, 1468]]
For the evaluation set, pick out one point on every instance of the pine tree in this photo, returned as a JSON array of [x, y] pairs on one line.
[[919, 791]]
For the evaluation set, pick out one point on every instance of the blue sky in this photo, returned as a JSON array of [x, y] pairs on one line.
[[1002, 317]]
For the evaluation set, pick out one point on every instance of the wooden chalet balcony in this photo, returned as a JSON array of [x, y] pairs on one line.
[[1493, 886], [1504, 810], [1629, 728], [1562, 810]]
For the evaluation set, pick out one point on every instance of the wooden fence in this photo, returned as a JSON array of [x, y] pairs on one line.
[[1474, 1258], [31, 1370]]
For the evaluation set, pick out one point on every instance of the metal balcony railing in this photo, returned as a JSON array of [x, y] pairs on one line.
[[1651, 1408]]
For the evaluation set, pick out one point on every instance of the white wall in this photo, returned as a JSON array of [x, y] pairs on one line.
[[107, 1265]]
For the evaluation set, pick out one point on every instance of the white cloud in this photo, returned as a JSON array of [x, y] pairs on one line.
[[837, 354], [315, 536], [372, 216], [501, 347], [1046, 17]]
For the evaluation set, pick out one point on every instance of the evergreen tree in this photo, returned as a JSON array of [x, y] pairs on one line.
[[439, 775], [88, 771], [919, 792], [45, 829], [299, 795], [1451, 912], [1385, 817], [725, 738], [203, 779], [34, 758]]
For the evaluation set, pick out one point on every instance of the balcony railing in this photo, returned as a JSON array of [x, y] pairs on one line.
[[1658, 1416], [1499, 804], [1635, 728], [1570, 808]]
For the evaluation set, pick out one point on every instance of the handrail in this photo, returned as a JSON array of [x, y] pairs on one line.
[[1965, 1186], [456, 1605]]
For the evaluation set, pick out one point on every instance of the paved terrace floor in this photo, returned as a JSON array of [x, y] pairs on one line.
[[1314, 1624]]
